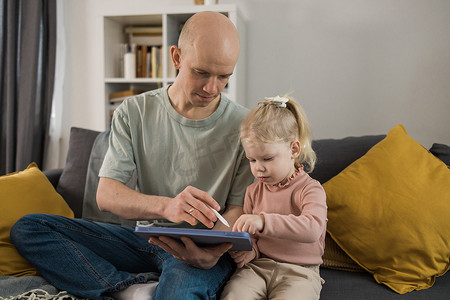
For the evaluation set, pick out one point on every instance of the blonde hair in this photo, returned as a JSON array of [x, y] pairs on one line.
[[274, 122]]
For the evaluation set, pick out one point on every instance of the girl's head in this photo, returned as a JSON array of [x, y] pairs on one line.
[[274, 123]]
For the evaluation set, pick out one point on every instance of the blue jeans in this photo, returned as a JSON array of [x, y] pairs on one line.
[[90, 259]]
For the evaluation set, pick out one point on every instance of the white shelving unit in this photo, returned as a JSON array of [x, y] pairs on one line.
[[170, 18]]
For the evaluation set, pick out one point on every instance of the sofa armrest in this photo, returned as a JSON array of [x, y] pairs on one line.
[[53, 176]]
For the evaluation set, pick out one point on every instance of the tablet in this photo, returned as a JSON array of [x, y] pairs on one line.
[[202, 237]]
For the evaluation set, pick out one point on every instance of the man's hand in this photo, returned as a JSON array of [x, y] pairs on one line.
[[189, 206], [242, 257], [188, 251], [249, 223], [115, 197], [202, 258]]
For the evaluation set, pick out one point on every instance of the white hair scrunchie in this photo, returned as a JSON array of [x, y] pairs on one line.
[[277, 101]]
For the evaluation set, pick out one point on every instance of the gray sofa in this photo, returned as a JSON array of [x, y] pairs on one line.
[[87, 147]]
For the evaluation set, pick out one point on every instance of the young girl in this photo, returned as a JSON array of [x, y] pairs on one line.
[[285, 211]]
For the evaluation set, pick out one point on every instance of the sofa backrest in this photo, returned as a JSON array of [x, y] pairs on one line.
[[73, 178], [334, 155]]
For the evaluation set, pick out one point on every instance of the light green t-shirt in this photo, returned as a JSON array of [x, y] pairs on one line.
[[170, 152]]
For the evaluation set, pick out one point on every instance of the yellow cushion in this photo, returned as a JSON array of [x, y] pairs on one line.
[[389, 211], [23, 193]]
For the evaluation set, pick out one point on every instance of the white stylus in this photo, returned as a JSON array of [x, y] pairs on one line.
[[222, 219]]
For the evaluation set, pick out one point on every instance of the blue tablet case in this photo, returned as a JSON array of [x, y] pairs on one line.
[[202, 237]]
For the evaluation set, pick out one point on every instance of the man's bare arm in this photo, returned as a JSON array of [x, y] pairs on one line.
[[115, 197]]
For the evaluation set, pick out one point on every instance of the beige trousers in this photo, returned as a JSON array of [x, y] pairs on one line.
[[265, 278]]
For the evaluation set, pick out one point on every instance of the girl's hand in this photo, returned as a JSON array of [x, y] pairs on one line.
[[249, 223], [242, 257]]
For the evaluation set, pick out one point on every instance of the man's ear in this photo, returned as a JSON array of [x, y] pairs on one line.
[[175, 53], [295, 149]]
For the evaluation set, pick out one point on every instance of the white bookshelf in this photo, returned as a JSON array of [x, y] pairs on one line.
[[169, 18]]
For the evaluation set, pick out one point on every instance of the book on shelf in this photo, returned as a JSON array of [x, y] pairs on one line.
[[123, 48], [156, 62], [138, 60], [144, 35], [148, 63], [148, 60], [144, 30], [148, 40], [141, 42], [118, 97]]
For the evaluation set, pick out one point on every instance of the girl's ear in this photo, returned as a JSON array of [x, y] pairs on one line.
[[295, 149], [176, 56]]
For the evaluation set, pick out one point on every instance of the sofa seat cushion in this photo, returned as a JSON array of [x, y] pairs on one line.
[[342, 285], [389, 212], [22, 193]]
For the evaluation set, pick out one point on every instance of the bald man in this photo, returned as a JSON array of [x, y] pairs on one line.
[[183, 143]]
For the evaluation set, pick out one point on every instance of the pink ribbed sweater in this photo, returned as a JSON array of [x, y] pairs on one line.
[[295, 219]]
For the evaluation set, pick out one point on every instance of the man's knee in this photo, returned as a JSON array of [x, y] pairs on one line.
[[25, 226]]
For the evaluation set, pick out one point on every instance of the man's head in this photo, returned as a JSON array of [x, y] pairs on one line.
[[207, 52]]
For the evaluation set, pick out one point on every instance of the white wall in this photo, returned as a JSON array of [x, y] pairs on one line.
[[357, 66]]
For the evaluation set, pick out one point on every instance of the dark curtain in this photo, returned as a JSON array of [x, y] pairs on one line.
[[27, 70]]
